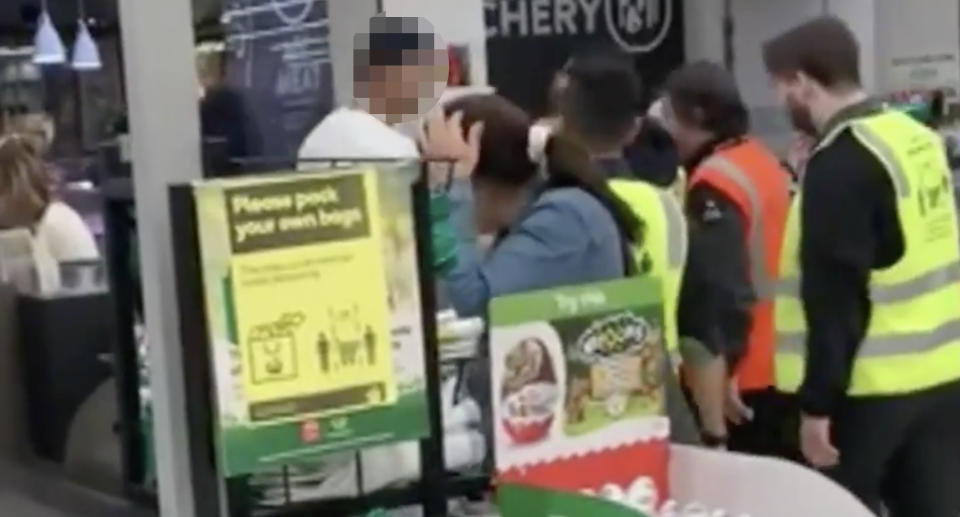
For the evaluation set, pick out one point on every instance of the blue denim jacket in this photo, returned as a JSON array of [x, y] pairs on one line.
[[565, 237]]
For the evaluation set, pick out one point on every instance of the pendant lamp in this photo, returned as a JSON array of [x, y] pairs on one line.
[[48, 47], [86, 55]]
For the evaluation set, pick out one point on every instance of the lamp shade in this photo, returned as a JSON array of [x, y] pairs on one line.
[[86, 55], [48, 47]]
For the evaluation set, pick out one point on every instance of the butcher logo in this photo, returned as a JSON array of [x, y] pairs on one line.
[[639, 25]]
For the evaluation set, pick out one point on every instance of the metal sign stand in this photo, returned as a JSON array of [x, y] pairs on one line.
[[433, 489]]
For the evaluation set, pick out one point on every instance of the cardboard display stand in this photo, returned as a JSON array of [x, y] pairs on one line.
[[755, 486], [578, 398]]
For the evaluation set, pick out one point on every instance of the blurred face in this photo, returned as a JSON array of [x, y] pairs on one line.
[[797, 94], [687, 136], [404, 91], [496, 205]]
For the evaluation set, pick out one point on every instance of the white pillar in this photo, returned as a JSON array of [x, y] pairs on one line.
[[158, 43], [347, 18]]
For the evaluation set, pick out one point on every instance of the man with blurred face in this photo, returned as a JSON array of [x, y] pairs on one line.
[[400, 70], [736, 205], [868, 308]]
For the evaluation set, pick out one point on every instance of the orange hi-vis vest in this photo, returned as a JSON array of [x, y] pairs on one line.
[[752, 178]]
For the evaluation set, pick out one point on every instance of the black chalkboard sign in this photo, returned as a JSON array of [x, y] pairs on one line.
[[278, 57]]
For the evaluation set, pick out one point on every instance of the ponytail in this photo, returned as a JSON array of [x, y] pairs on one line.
[[569, 165]]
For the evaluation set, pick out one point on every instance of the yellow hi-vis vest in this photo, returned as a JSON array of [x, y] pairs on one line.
[[662, 252], [913, 338], [679, 186]]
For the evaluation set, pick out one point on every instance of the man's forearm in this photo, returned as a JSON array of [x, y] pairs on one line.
[[706, 376]]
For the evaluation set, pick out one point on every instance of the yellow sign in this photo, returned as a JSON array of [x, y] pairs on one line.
[[310, 296]]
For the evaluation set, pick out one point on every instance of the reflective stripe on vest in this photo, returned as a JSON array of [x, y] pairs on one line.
[[665, 242], [893, 293], [763, 284], [676, 229], [883, 346], [913, 338]]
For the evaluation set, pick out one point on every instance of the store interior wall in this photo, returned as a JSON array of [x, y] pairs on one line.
[[920, 44], [348, 18]]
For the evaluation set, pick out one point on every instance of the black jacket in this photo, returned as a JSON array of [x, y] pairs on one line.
[[717, 294], [850, 227]]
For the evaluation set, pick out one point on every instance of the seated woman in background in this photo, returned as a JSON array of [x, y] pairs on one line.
[[38, 127], [561, 228], [27, 201]]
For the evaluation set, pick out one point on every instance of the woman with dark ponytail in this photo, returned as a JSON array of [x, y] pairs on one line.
[[557, 226], [569, 166]]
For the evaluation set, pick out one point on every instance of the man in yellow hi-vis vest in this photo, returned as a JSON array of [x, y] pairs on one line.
[[600, 108], [868, 306]]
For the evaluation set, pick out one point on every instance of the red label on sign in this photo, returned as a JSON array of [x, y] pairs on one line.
[[310, 431]]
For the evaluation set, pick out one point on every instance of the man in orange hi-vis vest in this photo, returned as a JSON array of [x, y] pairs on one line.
[[737, 202]]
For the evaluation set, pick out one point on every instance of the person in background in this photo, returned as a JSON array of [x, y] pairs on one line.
[[737, 203], [938, 109], [653, 154], [566, 228], [599, 108], [40, 131], [868, 311], [27, 201], [224, 114]]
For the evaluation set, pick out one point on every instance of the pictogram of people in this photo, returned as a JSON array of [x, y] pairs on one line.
[[323, 352]]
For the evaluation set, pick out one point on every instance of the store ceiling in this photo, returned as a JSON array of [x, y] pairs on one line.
[[19, 14]]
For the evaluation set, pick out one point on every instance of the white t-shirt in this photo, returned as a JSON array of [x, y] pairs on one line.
[[60, 236], [352, 133]]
